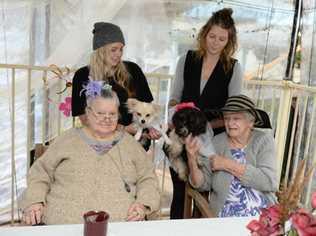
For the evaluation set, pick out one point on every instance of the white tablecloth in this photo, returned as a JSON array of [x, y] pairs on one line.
[[191, 227]]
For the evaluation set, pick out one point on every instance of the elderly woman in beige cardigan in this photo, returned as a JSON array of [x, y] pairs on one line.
[[97, 167]]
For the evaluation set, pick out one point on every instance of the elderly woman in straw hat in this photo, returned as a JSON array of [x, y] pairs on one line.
[[242, 176]]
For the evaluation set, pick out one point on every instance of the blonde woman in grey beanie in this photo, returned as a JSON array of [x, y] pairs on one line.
[[106, 64]]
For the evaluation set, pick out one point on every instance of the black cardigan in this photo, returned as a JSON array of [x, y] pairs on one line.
[[138, 83], [215, 92]]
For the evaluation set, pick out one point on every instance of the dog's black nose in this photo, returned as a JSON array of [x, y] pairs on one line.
[[143, 121]]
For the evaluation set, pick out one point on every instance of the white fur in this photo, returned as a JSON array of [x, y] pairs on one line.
[[146, 115]]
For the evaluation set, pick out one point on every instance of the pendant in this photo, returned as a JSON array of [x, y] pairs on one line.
[[127, 187]]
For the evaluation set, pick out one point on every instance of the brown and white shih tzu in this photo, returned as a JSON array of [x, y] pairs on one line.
[[188, 119]]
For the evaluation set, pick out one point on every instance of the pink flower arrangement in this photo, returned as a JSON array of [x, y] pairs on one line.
[[286, 217], [269, 223], [303, 223]]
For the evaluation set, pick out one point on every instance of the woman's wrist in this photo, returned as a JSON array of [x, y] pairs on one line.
[[196, 177], [130, 129], [234, 168], [192, 160]]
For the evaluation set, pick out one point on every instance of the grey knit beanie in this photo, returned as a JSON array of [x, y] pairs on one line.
[[105, 33]]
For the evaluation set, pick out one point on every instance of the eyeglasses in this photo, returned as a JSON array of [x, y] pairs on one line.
[[104, 116]]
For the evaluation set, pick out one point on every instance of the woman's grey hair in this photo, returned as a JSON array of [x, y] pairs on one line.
[[106, 94], [249, 116]]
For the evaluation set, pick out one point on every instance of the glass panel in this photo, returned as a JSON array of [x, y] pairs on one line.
[[158, 32], [308, 64]]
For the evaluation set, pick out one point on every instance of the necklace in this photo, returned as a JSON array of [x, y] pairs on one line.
[[127, 187]]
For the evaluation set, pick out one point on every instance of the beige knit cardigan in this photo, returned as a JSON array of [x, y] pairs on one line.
[[71, 179]]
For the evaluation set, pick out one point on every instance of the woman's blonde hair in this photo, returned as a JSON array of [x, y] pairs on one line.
[[100, 70], [222, 18]]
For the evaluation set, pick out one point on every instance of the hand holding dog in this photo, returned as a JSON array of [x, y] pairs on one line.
[[153, 134], [129, 129], [192, 147]]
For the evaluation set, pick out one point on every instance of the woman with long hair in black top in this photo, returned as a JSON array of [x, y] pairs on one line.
[[125, 77], [207, 76]]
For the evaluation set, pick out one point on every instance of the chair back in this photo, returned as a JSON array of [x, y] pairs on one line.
[[193, 197]]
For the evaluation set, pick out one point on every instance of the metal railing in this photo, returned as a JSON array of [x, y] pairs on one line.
[[291, 108]]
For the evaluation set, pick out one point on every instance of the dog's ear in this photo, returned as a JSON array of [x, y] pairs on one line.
[[131, 103]]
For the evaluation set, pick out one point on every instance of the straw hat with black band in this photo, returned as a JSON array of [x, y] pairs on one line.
[[240, 103]]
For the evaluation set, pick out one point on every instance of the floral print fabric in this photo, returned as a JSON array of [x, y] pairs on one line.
[[241, 200]]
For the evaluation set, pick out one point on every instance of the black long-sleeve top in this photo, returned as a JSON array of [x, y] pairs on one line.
[[138, 83]]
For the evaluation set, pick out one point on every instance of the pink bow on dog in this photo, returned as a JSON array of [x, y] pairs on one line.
[[183, 105]]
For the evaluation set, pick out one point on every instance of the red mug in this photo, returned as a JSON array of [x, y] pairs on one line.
[[95, 223]]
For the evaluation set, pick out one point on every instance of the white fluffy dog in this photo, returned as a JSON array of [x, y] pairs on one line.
[[146, 115]]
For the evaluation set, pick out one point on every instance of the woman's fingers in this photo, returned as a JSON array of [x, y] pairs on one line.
[[134, 217], [32, 217], [188, 139], [212, 161], [38, 216], [192, 145], [26, 219], [154, 134], [189, 142], [136, 212], [33, 214]]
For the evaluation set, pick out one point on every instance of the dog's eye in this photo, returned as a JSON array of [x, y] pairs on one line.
[[139, 114], [147, 115]]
